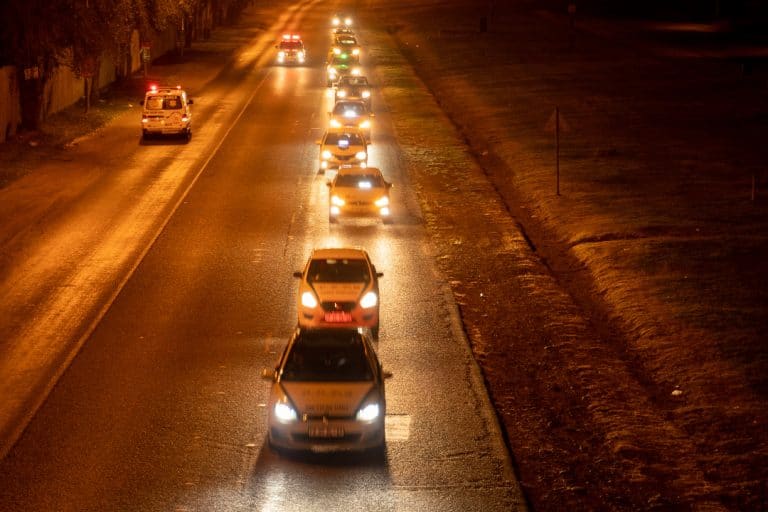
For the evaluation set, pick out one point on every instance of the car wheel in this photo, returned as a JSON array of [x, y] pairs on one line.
[[379, 453], [188, 135], [144, 134], [332, 220], [375, 332]]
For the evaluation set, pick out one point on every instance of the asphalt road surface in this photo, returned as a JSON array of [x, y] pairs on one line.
[[163, 407]]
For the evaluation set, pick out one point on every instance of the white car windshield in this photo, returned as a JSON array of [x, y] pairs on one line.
[[327, 357], [338, 271]]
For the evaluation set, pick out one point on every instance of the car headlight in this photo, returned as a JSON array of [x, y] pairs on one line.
[[335, 123], [337, 201], [369, 412], [301, 55], [285, 412], [369, 300], [326, 155], [341, 94], [361, 155], [308, 300], [365, 124], [347, 21], [382, 201], [356, 51], [356, 71], [366, 94]]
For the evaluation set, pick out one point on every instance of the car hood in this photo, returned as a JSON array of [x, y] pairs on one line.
[[327, 398], [338, 292], [358, 194], [350, 151]]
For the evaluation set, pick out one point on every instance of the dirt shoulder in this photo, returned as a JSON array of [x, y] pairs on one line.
[[626, 355]]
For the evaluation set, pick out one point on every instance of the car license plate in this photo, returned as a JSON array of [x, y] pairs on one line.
[[325, 431], [338, 317]]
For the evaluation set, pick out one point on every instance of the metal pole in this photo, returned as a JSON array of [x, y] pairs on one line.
[[557, 147]]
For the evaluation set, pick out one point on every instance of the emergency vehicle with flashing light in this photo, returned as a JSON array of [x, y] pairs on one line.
[[166, 111]]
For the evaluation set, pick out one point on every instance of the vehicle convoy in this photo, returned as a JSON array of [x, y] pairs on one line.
[[291, 50], [355, 88], [339, 288], [342, 146], [351, 114], [166, 111], [358, 192], [327, 393]]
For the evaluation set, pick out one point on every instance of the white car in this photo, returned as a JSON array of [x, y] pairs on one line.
[[339, 288], [327, 393], [166, 111], [291, 50], [342, 146], [358, 192]]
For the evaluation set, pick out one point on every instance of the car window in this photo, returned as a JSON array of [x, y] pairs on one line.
[[347, 109], [290, 45], [359, 181], [343, 139], [327, 358], [338, 271]]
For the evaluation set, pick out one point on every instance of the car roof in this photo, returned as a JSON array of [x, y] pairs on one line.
[[357, 170], [344, 129], [349, 253]]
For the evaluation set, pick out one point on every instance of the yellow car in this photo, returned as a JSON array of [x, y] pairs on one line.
[[350, 113], [359, 192], [342, 146], [339, 288], [327, 394]]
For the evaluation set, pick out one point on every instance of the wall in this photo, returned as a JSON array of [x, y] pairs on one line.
[[65, 89], [10, 109]]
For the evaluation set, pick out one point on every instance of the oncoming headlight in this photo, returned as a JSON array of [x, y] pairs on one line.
[[365, 124], [285, 412], [337, 201], [356, 71], [326, 155], [308, 300], [369, 300], [366, 94], [361, 155], [368, 412], [382, 201], [342, 93], [335, 123]]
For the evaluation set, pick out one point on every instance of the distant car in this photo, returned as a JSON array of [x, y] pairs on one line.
[[351, 114], [354, 88], [341, 20], [341, 65], [166, 111], [342, 146], [358, 192], [327, 394], [342, 29], [346, 43], [291, 50], [339, 288]]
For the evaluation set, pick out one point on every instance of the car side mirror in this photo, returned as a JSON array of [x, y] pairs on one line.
[[386, 374], [328, 184], [379, 274], [141, 102], [298, 274], [390, 185], [190, 101], [372, 114], [269, 374]]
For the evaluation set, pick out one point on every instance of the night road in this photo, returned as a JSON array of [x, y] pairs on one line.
[[166, 287]]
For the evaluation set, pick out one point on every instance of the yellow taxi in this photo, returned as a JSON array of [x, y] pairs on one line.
[[358, 192]]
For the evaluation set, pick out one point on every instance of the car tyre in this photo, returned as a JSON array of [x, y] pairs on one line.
[[332, 220], [375, 332]]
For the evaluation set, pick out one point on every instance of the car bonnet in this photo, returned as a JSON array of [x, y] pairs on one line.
[[338, 292], [327, 398]]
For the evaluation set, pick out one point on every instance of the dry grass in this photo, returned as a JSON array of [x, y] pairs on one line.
[[654, 237]]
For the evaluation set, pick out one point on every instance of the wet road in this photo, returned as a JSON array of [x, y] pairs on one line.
[[163, 407]]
